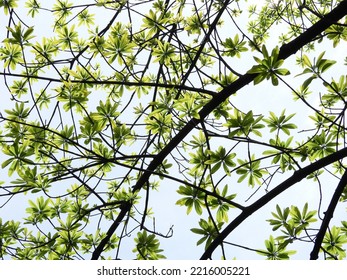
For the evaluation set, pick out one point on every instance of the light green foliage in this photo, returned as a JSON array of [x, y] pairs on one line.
[[281, 155], [147, 247], [189, 106], [292, 219], [193, 198], [275, 250], [280, 123], [11, 54], [319, 66], [244, 124], [336, 33], [234, 47], [118, 47], [268, 67], [294, 224], [221, 206], [208, 229], [109, 108], [33, 7], [20, 36], [7, 5], [250, 169], [195, 23], [221, 158], [333, 243], [164, 53], [18, 154]]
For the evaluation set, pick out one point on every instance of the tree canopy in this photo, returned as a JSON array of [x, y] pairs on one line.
[[116, 115]]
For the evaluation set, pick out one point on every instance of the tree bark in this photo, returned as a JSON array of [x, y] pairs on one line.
[[285, 51], [328, 216], [295, 178]]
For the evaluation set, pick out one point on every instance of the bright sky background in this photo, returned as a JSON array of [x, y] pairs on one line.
[[261, 99]]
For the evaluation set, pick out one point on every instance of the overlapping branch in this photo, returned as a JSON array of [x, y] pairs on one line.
[[285, 51]]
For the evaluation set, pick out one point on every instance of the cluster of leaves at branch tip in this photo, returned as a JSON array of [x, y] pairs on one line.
[[294, 225], [268, 67], [147, 247]]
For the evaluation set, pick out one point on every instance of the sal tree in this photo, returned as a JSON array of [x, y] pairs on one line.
[[118, 116]]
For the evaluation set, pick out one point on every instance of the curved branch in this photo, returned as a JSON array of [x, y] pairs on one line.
[[285, 51], [295, 178], [328, 216]]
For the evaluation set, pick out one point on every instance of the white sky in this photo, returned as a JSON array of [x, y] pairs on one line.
[[261, 99]]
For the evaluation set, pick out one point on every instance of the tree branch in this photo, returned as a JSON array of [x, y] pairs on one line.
[[295, 178], [125, 208], [113, 82], [328, 216], [285, 51]]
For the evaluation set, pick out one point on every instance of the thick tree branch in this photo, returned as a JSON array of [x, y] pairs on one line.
[[285, 51], [295, 178], [125, 208], [328, 216]]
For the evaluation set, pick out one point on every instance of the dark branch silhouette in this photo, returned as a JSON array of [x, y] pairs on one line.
[[285, 51]]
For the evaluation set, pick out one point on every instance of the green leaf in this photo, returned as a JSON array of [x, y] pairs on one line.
[[11, 54], [8, 5], [234, 47], [250, 169], [192, 198], [208, 230], [147, 246], [275, 250], [334, 241]]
